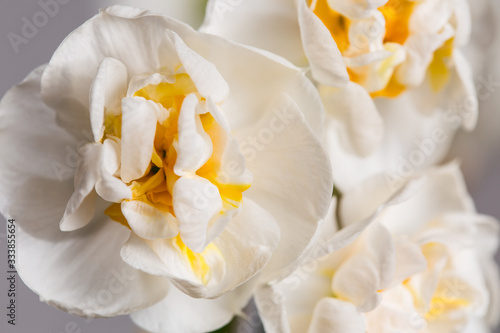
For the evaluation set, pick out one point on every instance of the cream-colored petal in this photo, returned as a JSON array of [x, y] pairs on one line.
[[108, 89], [193, 146], [336, 316], [359, 124], [207, 79], [196, 202], [327, 65], [80, 272], [356, 9], [138, 131], [108, 186], [149, 222], [80, 207]]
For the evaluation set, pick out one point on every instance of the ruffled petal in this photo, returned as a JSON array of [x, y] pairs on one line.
[[359, 124], [108, 89], [336, 316], [80, 207], [196, 202], [194, 146], [327, 65], [180, 313], [138, 132], [148, 222], [263, 24], [68, 269], [204, 74], [29, 132], [279, 151]]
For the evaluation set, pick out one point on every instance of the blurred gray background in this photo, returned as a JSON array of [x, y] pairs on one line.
[[480, 159]]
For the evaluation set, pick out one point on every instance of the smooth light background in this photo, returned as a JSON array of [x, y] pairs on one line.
[[481, 160]]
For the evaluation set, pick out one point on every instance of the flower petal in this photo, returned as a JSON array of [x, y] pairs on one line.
[[194, 146], [175, 312], [269, 302], [69, 270], [204, 74], [327, 313], [148, 222], [138, 132], [196, 201], [80, 207], [109, 187], [29, 132], [357, 117], [108, 89], [230, 259], [444, 191], [327, 65], [278, 151], [263, 24], [356, 9]]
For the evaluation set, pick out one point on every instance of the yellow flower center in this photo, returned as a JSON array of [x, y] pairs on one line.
[[155, 187], [397, 14]]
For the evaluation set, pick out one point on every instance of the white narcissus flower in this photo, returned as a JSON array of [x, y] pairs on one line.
[[394, 82], [424, 266], [198, 170]]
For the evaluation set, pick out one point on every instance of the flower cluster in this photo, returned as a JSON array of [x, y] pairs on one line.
[[289, 151]]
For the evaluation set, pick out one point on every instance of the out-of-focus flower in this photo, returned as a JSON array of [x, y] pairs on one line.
[[482, 52], [425, 265], [390, 73], [197, 169]]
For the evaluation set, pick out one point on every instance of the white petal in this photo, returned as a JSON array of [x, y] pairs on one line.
[[463, 25], [143, 80], [204, 74], [69, 270], [70, 73], [327, 65], [466, 90], [356, 9], [429, 17], [148, 222], [443, 192], [194, 146], [269, 301], [409, 259], [420, 49], [233, 260], [280, 151], [358, 280], [196, 201], [138, 132], [29, 133], [80, 207], [108, 89], [336, 316], [189, 11], [263, 24], [138, 254], [175, 313], [109, 187], [358, 118], [412, 141]]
